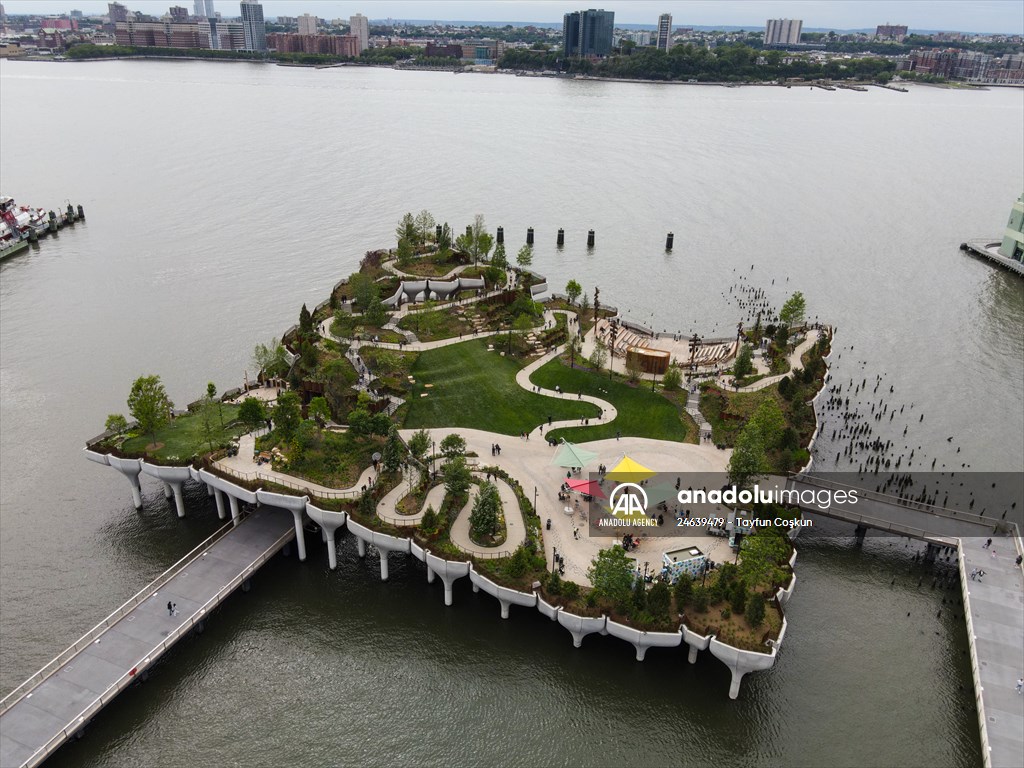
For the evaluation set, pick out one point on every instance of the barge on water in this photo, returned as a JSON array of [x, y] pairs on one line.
[[21, 225]]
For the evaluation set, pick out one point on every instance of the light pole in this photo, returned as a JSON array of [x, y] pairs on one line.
[[535, 499], [554, 559], [433, 453]]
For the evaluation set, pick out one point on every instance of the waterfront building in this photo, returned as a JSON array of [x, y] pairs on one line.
[[453, 50], [335, 45], [1013, 239], [895, 32], [198, 33], [782, 31], [359, 26], [117, 12], [177, 13], [664, 32], [253, 26], [307, 24], [588, 33]]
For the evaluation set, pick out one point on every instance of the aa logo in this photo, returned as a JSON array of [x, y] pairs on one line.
[[628, 500]]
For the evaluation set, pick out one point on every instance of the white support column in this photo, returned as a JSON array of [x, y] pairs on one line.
[[430, 576], [168, 491], [360, 547], [209, 490], [504, 607], [233, 502], [332, 550], [692, 658], [448, 581], [300, 538], [218, 496], [383, 564], [179, 500], [734, 686]]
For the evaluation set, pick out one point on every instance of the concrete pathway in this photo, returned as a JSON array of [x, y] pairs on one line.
[[995, 609], [609, 413], [515, 526], [387, 507]]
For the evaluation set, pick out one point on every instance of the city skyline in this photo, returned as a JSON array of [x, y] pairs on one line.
[[980, 16]]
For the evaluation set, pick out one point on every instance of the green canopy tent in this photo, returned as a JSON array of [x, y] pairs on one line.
[[569, 455]]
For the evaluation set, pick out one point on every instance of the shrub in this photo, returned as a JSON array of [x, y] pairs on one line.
[[519, 563], [700, 599], [428, 524], [738, 596], [726, 613], [659, 600], [554, 585], [755, 610], [639, 598], [571, 590], [673, 378], [684, 590]]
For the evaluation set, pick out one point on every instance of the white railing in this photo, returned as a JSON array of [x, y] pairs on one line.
[[85, 640], [128, 677]]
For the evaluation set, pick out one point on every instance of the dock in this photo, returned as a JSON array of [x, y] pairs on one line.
[[989, 249], [56, 703]]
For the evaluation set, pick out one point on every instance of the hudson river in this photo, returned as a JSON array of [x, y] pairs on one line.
[[220, 197]]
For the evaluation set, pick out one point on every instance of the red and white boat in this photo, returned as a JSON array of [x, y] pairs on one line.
[[17, 221]]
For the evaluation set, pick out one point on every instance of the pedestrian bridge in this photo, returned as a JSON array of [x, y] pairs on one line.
[[902, 517], [57, 702]]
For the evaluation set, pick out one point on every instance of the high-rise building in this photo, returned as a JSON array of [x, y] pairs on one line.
[[360, 27], [665, 32], [199, 9], [117, 12], [177, 13], [588, 33], [782, 31], [253, 25], [208, 8], [307, 24]]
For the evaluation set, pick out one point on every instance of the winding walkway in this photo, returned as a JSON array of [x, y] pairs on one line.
[[515, 526]]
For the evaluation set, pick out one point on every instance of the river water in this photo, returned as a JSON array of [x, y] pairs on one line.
[[220, 197]]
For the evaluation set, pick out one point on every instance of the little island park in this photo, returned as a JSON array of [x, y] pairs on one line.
[[444, 401]]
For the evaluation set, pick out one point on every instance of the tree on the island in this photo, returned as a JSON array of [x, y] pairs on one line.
[[287, 414], [428, 523], [393, 452], [380, 424], [699, 601], [786, 389], [769, 422], [584, 305], [484, 518], [271, 359], [673, 377], [574, 347], [404, 252], [419, 444], [207, 415], [599, 357], [748, 457], [453, 445], [792, 313], [684, 590], [525, 257], [360, 422], [464, 244], [755, 610], [116, 423], [737, 594], [744, 365], [149, 404], [406, 228], [424, 225], [659, 600], [500, 258], [319, 411], [456, 476], [611, 574], [362, 288], [305, 323], [633, 369], [761, 557], [639, 596], [445, 242], [252, 412], [481, 241], [573, 291], [376, 313], [211, 392]]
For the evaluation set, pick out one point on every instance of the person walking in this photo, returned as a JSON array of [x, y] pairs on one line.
[[1020, 685], [987, 544], [170, 608], [974, 573]]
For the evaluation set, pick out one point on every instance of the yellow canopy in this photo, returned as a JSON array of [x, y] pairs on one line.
[[630, 471]]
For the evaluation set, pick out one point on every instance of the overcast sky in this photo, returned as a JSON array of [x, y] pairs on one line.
[[1005, 16]]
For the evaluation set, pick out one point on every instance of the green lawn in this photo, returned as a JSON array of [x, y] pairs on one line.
[[183, 437], [477, 389], [642, 413]]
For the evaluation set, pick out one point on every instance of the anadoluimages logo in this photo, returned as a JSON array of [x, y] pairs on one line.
[[628, 500]]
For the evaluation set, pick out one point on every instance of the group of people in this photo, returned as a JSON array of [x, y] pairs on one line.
[[495, 449]]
